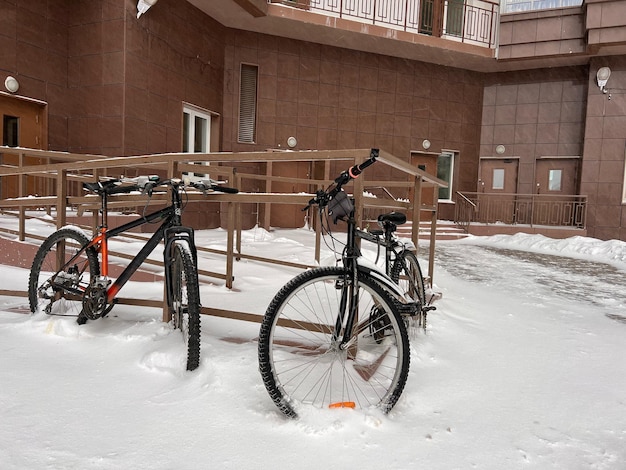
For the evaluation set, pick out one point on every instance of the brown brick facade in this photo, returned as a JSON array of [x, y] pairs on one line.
[[116, 85]]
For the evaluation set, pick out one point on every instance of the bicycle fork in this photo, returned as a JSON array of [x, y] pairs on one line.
[[173, 234], [342, 337]]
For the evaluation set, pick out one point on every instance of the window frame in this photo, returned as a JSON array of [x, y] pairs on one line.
[[501, 179], [189, 132], [10, 130], [194, 113], [552, 171], [450, 177], [248, 103]]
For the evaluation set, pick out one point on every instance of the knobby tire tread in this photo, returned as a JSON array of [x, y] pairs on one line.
[[399, 266], [183, 256], [48, 244]]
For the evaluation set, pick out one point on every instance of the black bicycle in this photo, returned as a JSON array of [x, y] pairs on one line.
[[68, 279], [334, 337], [401, 264]]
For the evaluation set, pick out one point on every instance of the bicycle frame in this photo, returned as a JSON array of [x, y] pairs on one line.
[[350, 291], [170, 230], [386, 238]]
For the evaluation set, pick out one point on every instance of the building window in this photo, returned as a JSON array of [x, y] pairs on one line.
[[10, 131], [247, 103], [454, 17], [196, 132], [554, 180], [445, 170], [498, 178], [513, 6]]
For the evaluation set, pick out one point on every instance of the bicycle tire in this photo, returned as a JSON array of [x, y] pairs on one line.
[[184, 301], [297, 360], [61, 297], [406, 272]]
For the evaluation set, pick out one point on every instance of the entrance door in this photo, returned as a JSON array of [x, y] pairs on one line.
[[497, 190], [23, 125], [557, 180], [557, 176]]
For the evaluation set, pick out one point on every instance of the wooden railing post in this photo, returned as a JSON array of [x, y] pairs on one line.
[[417, 211], [229, 244], [61, 198], [22, 188], [267, 206], [238, 215], [433, 235]]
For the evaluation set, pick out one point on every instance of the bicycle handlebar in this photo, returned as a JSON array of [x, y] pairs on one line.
[[146, 185], [324, 196], [354, 171], [209, 184]]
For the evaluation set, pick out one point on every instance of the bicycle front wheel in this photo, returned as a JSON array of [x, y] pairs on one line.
[[184, 301], [61, 272], [302, 364]]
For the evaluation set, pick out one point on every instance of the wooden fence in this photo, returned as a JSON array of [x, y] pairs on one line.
[[64, 174]]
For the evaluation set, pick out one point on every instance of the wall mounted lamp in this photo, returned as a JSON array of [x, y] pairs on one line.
[[500, 149], [144, 5], [426, 144], [11, 84], [292, 142], [602, 77]]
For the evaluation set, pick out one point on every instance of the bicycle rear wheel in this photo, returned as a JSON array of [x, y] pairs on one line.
[[60, 275], [302, 365], [184, 300], [406, 272]]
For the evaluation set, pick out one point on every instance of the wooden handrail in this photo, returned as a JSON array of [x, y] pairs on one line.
[[68, 165]]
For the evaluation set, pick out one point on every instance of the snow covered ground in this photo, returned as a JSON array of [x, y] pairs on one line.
[[522, 367]]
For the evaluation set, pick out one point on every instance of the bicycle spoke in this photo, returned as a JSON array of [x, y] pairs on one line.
[[302, 364]]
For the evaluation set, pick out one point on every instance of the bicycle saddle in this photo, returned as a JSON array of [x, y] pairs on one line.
[[397, 218], [109, 187]]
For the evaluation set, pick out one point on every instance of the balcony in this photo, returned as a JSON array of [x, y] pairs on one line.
[[467, 21], [540, 213]]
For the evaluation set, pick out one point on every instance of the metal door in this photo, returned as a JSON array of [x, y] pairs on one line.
[[23, 125], [497, 188], [556, 186]]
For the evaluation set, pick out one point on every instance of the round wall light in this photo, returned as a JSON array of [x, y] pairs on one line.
[[11, 84], [292, 142], [500, 149], [426, 144]]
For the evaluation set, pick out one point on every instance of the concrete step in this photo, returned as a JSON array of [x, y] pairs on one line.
[[443, 231]]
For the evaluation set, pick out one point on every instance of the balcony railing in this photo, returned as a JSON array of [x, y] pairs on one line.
[[470, 21], [529, 209], [514, 6]]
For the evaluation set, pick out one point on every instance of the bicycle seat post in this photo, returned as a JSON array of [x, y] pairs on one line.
[[389, 227], [104, 247], [104, 223]]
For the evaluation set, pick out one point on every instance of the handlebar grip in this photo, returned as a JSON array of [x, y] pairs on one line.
[[123, 189], [225, 189], [356, 170]]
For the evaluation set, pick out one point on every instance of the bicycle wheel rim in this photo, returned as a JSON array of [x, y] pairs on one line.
[[61, 295], [408, 275], [302, 365]]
